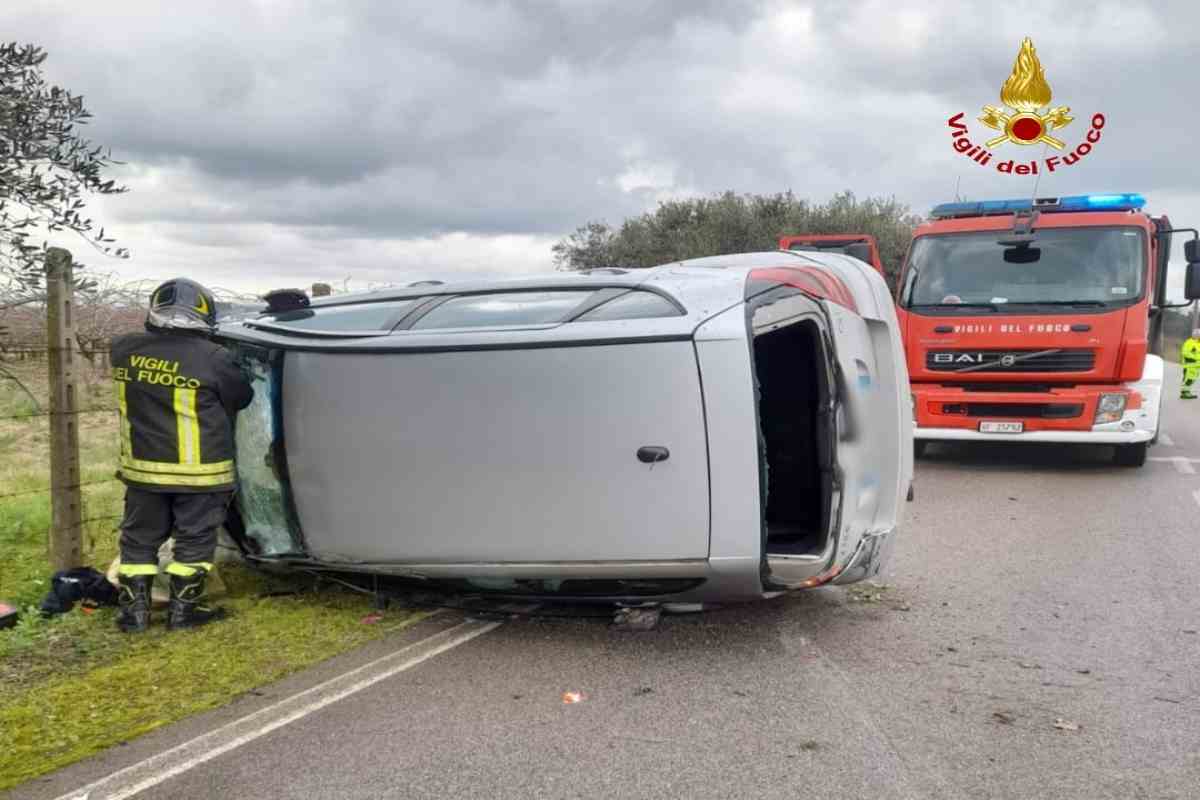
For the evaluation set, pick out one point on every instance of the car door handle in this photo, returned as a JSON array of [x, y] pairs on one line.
[[652, 454]]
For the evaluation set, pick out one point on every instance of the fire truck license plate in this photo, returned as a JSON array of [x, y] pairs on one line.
[[1001, 427]]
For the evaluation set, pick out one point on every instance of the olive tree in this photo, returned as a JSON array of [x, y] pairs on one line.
[[47, 169], [734, 223]]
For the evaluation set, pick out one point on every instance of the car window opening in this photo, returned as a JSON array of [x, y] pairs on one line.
[[789, 363]]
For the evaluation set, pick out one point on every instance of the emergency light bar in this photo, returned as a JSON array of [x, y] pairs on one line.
[[1079, 202]]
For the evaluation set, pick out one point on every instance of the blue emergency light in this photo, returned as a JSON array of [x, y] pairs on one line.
[[1079, 202]]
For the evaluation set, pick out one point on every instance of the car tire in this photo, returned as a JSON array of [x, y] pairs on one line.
[[1130, 455], [919, 446]]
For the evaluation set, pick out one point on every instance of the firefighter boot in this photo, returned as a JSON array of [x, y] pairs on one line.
[[134, 601], [185, 609]]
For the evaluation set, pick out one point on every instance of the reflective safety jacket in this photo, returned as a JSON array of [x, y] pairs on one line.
[[1189, 354], [177, 394]]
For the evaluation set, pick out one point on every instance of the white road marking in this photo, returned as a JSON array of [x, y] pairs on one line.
[[139, 777], [1196, 496], [1182, 465], [1165, 439]]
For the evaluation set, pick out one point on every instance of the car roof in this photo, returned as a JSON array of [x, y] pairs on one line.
[[678, 279], [703, 287]]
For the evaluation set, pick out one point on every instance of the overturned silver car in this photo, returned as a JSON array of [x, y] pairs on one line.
[[706, 431]]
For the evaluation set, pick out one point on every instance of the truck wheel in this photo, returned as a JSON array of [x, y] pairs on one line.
[[919, 446], [1130, 455]]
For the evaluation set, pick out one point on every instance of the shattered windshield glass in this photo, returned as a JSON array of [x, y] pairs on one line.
[[262, 497]]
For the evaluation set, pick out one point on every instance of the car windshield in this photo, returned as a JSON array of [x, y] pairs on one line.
[[1061, 266]]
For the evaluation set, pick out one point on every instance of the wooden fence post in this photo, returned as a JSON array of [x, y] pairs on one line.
[[66, 507]]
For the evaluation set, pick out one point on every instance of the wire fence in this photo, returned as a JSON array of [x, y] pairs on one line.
[[76, 412], [47, 489]]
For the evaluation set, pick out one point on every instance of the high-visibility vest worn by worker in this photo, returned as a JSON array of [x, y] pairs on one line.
[[1189, 357], [178, 394]]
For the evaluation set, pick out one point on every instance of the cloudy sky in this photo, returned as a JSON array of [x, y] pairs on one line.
[[279, 142]]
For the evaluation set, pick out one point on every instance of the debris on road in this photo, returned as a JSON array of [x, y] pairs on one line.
[[810, 745], [570, 698], [642, 691], [1029, 665], [636, 619], [1004, 717], [1063, 725], [868, 592]]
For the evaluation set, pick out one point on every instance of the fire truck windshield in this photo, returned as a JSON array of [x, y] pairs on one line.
[[1060, 266]]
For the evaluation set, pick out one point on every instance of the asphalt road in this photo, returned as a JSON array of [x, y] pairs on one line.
[[1032, 586]]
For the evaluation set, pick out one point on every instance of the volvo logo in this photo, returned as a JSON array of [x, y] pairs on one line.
[[1007, 360]]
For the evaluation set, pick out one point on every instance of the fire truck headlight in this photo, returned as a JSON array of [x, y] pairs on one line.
[[1110, 408]]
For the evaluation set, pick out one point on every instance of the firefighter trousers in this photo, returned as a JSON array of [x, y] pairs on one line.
[[151, 517], [1190, 373]]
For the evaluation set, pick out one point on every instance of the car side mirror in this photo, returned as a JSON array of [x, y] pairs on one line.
[[1191, 281]]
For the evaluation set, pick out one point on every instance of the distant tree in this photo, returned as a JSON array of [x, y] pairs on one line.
[[589, 247], [734, 223], [46, 170]]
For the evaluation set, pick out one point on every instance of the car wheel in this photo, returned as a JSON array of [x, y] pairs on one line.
[[1130, 455]]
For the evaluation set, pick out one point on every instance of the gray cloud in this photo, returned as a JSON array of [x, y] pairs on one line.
[[405, 122]]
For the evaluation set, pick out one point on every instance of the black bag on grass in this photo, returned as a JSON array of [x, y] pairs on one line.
[[74, 585]]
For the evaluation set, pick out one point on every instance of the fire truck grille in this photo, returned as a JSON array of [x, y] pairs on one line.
[[1062, 360]]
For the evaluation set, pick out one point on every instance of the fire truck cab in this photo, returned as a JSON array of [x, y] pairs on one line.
[[1038, 321]]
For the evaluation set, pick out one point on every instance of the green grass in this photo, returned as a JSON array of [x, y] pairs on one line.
[[73, 685]]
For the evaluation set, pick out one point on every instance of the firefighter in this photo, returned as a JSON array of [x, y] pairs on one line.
[[1189, 357], [178, 393]]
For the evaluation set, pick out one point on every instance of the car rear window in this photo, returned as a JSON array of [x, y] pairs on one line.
[[498, 309], [358, 317], [633, 305]]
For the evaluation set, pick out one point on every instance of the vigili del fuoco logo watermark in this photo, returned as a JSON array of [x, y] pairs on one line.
[[1026, 118]]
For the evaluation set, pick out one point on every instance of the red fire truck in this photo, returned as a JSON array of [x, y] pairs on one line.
[[1040, 321]]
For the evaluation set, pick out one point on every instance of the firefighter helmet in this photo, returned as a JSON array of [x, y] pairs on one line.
[[181, 304]]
